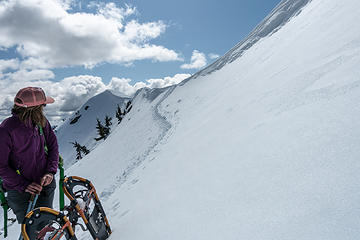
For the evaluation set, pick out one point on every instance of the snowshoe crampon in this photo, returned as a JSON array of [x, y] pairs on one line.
[[86, 204], [46, 224]]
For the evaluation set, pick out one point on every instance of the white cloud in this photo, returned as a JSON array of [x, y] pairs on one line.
[[72, 92], [33, 63], [111, 11], [45, 33], [69, 94], [12, 64], [167, 81], [213, 55], [30, 75], [198, 60], [122, 86], [66, 4], [137, 32]]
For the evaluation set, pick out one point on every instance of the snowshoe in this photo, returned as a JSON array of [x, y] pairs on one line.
[[86, 204], [46, 224]]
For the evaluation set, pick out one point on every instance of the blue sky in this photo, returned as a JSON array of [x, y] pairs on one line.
[[76, 49]]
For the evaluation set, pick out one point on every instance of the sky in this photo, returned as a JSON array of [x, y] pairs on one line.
[[77, 49]]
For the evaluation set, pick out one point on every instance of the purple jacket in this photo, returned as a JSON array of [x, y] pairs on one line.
[[22, 148]]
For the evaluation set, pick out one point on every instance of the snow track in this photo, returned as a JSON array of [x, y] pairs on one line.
[[152, 98]]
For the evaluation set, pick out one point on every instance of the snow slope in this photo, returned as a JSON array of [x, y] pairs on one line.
[[266, 147], [83, 128]]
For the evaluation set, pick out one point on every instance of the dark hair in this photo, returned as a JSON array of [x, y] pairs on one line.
[[30, 115]]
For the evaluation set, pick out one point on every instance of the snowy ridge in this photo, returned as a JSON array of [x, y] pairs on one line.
[[254, 150], [278, 17]]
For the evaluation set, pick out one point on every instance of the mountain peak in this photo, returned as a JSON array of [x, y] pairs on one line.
[[278, 17]]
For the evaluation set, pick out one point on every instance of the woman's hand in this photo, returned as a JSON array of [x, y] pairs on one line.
[[46, 179], [33, 188]]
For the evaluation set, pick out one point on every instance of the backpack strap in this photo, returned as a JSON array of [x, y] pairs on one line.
[[41, 133]]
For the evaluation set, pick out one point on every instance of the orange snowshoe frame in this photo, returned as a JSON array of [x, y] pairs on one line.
[[84, 203]]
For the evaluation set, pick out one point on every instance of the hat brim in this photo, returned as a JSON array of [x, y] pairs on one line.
[[49, 100]]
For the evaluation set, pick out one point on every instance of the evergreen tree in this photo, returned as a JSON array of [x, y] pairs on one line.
[[77, 147], [85, 150], [80, 149], [119, 114], [108, 122], [101, 129], [128, 107]]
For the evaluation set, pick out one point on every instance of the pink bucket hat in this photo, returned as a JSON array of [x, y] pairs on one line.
[[32, 96]]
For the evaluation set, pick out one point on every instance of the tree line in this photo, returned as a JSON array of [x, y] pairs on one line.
[[103, 130]]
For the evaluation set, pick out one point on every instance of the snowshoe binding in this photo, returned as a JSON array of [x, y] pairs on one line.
[[47, 224], [84, 202]]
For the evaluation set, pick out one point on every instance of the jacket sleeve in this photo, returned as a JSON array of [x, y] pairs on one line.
[[9, 176], [53, 149]]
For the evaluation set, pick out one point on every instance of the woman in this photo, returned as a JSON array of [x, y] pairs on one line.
[[25, 168]]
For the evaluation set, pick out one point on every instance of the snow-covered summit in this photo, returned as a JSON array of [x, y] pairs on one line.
[[80, 127], [278, 17]]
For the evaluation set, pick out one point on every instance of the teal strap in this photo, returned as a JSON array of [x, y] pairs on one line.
[[41, 132]]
